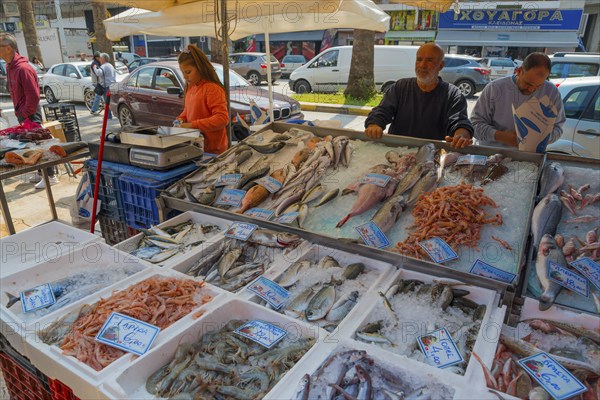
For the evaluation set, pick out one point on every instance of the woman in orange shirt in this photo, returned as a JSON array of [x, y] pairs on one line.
[[205, 105]]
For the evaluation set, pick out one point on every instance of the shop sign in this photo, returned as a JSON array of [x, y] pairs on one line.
[[128, 334], [261, 332], [512, 20], [553, 377]]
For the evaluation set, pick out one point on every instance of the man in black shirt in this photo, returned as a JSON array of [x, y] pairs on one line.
[[424, 107]]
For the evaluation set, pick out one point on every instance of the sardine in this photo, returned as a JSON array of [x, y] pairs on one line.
[[546, 217], [332, 194], [374, 337], [321, 303], [389, 213], [552, 179], [548, 251]]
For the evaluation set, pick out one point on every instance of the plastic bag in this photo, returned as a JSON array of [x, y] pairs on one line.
[[82, 205]]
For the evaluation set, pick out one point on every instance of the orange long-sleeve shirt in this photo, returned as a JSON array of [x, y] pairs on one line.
[[206, 109]]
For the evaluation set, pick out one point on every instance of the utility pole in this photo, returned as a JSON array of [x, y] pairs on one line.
[[61, 32], [29, 30]]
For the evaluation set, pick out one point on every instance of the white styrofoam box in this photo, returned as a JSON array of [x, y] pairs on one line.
[[374, 275], [40, 244], [487, 337], [132, 243], [80, 377], [130, 383], [399, 365], [14, 324], [280, 257]]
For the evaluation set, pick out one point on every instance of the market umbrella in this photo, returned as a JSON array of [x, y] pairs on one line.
[[246, 17]]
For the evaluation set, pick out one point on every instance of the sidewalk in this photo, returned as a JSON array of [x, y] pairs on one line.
[[336, 108]]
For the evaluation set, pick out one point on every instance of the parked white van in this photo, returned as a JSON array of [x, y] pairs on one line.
[[329, 70]]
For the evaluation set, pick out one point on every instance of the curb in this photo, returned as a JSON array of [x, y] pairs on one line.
[[336, 108]]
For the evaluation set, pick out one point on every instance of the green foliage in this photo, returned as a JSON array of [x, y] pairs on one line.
[[338, 98]]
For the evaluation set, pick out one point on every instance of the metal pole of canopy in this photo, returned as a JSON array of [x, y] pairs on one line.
[[222, 33], [269, 79]]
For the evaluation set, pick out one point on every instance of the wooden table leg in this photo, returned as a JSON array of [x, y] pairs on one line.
[[49, 194], [6, 211]]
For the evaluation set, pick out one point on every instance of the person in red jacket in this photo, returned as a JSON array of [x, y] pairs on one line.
[[205, 104], [24, 91]]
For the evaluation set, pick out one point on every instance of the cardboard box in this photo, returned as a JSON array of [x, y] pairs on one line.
[[56, 130]]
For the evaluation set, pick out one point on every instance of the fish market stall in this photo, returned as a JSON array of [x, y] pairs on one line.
[[88, 270], [332, 181], [239, 368], [177, 239], [570, 338], [66, 348], [565, 228]]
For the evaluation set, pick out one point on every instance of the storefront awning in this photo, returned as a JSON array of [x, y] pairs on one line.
[[305, 36], [410, 35], [507, 39]]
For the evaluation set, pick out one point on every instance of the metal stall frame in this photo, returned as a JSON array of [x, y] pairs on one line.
[[507, 291]]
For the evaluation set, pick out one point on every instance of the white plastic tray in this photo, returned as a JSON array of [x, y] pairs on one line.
[[374, 276], [130, 383], [487, 337], [288, 387], [40, 244], [14, 324], [132, 243], [84, 380], [280, 258]]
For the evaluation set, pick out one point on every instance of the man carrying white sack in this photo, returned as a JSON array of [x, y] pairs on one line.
[[492, 116]]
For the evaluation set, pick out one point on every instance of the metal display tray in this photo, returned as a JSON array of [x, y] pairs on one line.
[[383, 255], [158, 136], [563, 301]]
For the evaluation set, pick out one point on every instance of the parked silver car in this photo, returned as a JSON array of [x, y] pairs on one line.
[[290, 62], [253, 66], [581, 130], [499, 67], [465, 73]]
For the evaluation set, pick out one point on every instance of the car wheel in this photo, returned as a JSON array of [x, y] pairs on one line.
[[254, 78], [126, 117], [88, 99], [466, 88], [302, 87], [50, 97]]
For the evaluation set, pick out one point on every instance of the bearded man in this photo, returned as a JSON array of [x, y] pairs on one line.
[[424, 107]]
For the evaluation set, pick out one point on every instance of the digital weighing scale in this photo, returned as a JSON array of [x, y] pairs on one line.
[[163, 158]]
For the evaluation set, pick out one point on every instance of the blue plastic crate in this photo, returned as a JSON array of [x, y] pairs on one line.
[[109, 192], [139, 199]]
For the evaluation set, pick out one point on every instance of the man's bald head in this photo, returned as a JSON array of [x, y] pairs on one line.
[[432, 47]]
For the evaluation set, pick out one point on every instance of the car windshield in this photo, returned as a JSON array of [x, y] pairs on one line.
[[84, 70], [235, 80]]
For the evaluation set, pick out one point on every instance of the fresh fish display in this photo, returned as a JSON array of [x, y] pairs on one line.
[[76, 286], [159, 301], [324, 291], [225, 365], [424, 185], [545, 219], [571, 348], [493, 172], [267, 148], [446, 160], [552, 179], [548, 251], [389, 213], [352, 374], [426, 307], [327, 197], [257, 194], [157, 245]]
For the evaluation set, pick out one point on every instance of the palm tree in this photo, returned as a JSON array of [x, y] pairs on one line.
[[29, 30]]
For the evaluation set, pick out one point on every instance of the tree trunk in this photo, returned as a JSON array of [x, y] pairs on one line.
[[216, 51], [361, 82], [103, 43], [29, 31]]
